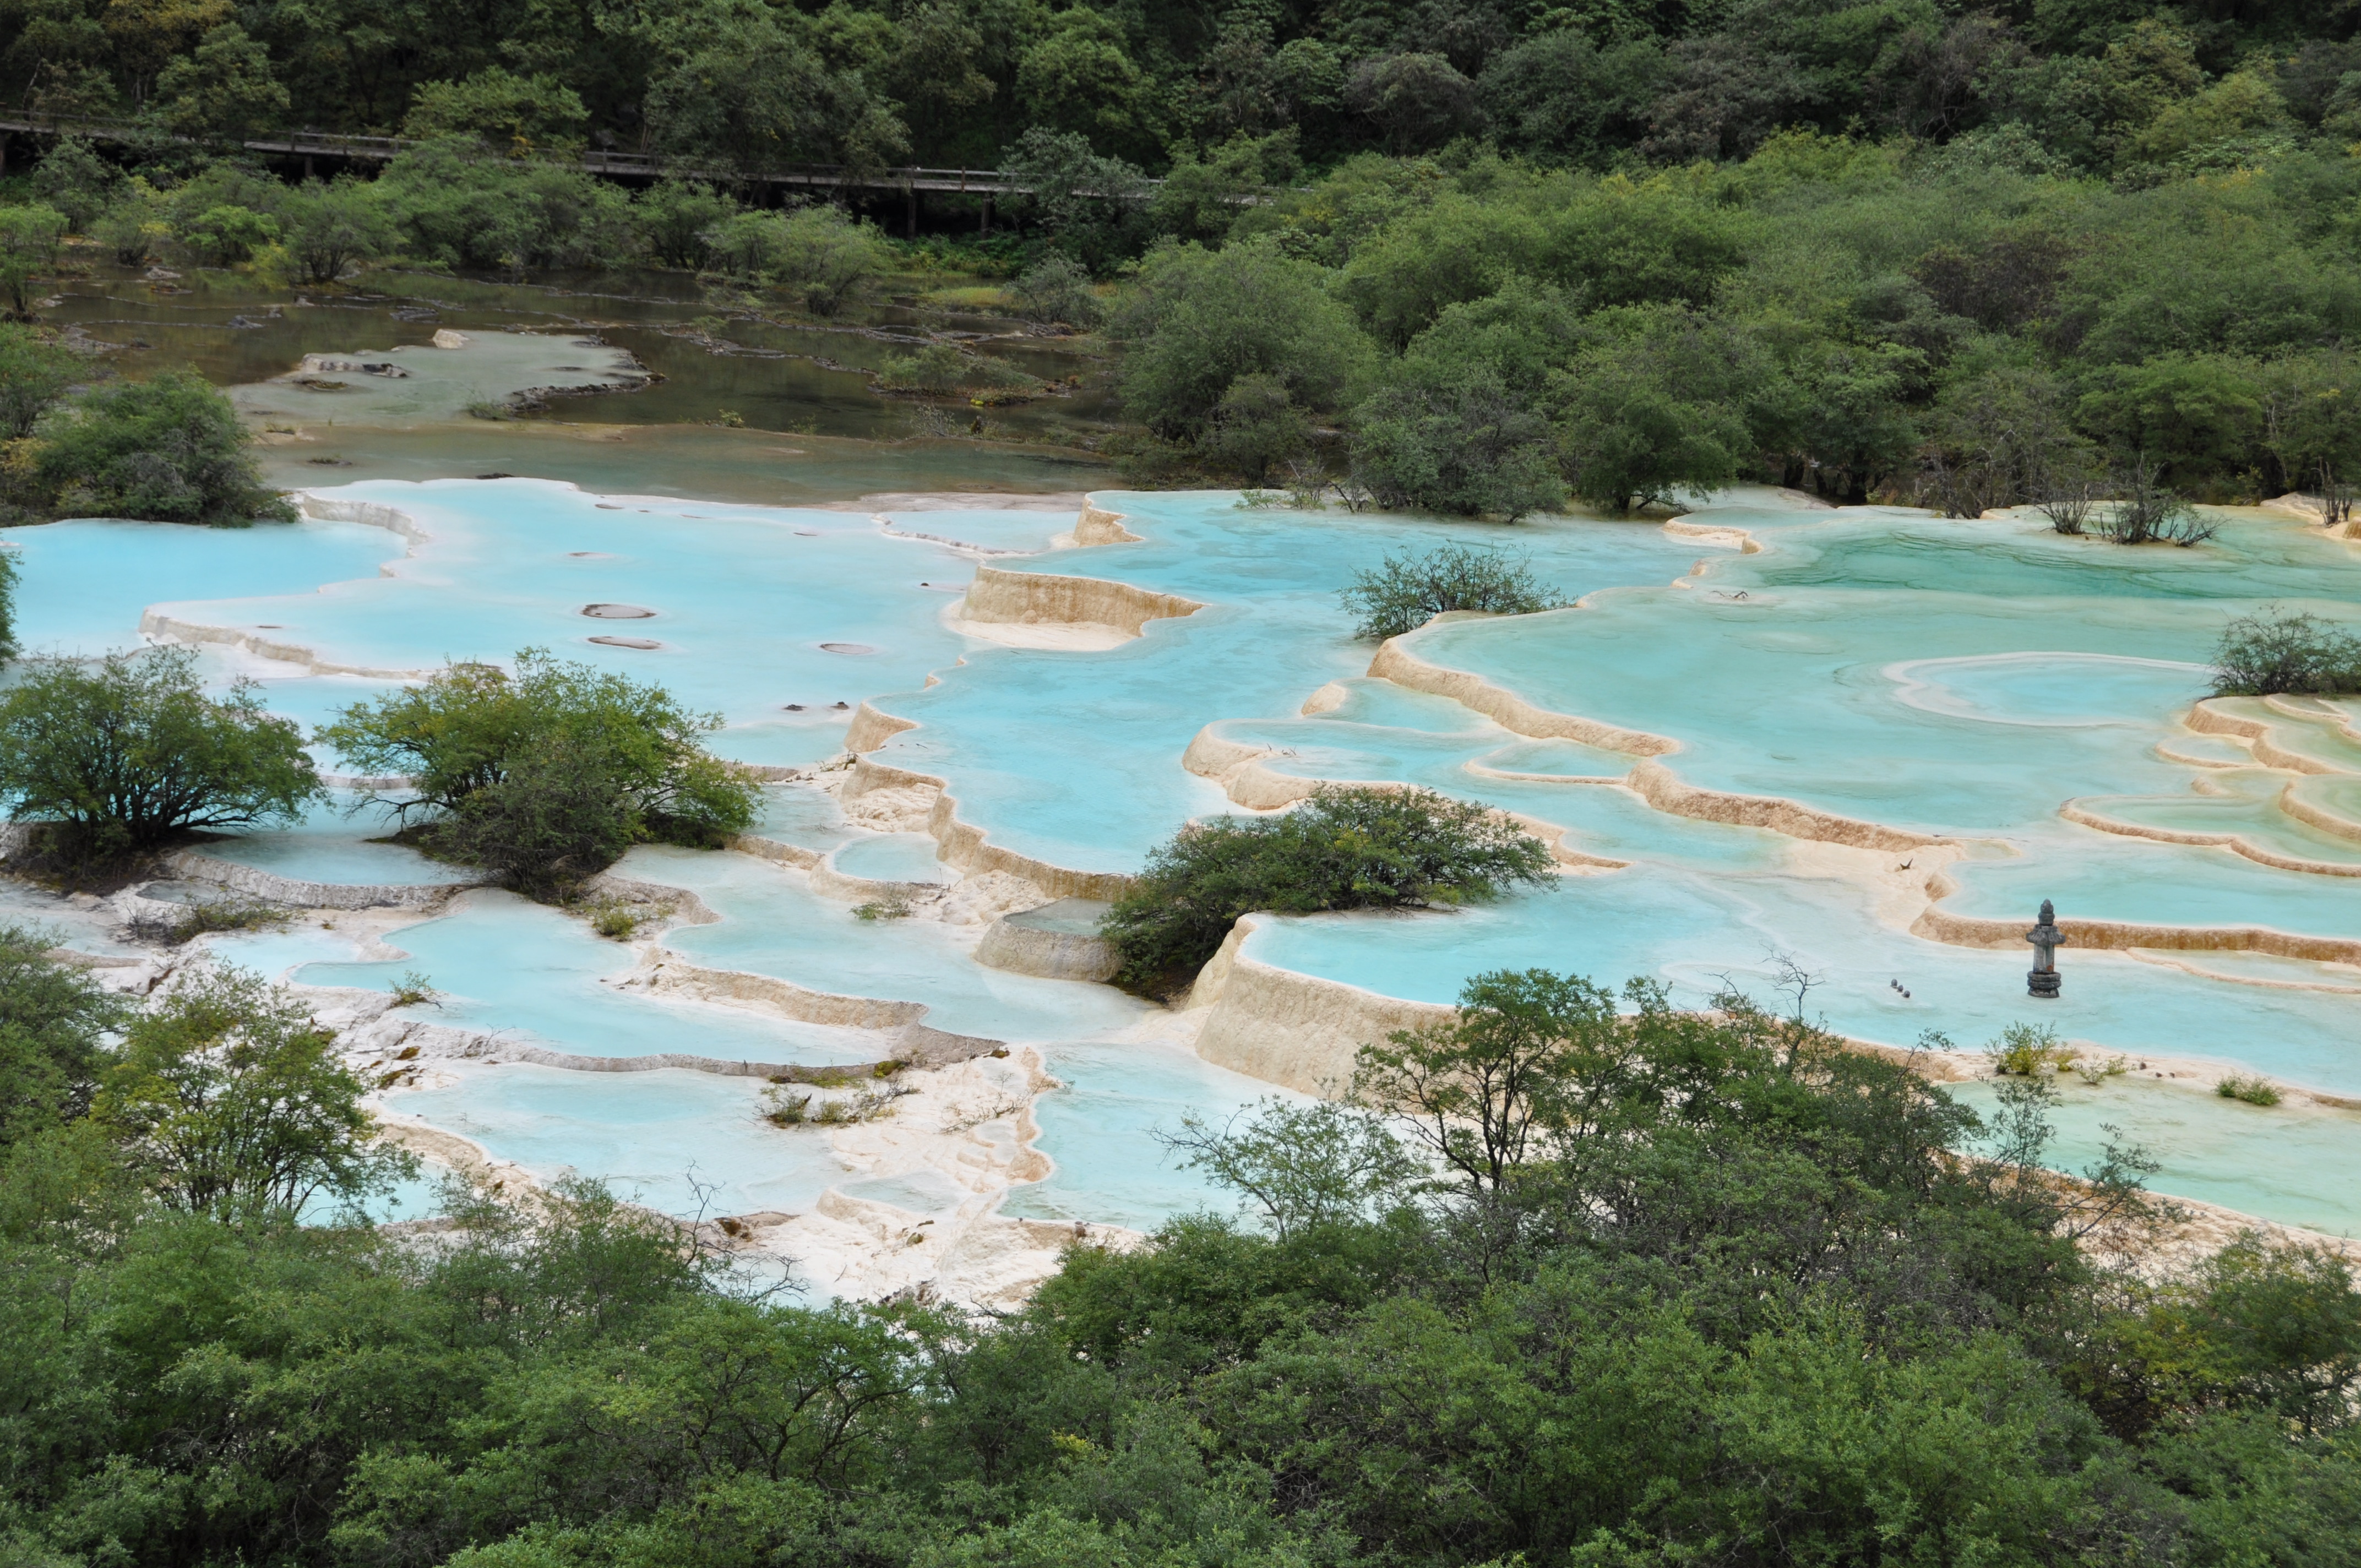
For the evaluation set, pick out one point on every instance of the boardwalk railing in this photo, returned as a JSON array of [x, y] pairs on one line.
[[307, 145]]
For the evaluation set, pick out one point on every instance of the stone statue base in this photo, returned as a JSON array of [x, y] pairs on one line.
[[2041, 982]]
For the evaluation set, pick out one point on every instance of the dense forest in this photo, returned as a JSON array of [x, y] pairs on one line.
[[1585, 1281], [2098, 257]]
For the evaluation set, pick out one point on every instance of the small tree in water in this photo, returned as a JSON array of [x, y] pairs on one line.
[[121, 759], [1405, 591], [2277, 650], [1346, 848], [547, 776]]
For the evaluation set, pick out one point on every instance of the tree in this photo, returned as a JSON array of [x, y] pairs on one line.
[[1404, 591], [1359, 848], [1530, 1059], [1654, 241], [1094, 208], [1078, 81], [1441, 254], [9, 572], [515, 115], [1458, 443], [28, 248], [816, 253], [74, 181], [226, 235], [2002, 439], [1418, 101], [458, 205], [330, 227], [34, 373], [547, 775], [224, 89], [54, 1020], [1639, 420], [673, 217], [1056, 291], [2277, 650], [2311, 423], [232, 1102], [122, 759], [1304, 1165], [166, 450], [755, 97], [1198, 319]]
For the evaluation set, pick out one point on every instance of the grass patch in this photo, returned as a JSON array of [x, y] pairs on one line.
[[211, 915], [2254, 1088]]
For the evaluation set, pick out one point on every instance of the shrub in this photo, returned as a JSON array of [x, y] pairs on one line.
[[9, 571], [2254, 1088], [231, 1101], [1405, 591], [332, 228], [414, 989], [1255, 427], [510, 114], [54, 1021], [2149, 513], [1056, 291], [673, 216], [33, 375], [461, 206], [74, 180], [226, 235], [167, 450], [28, 248], [2024, 1050], [1346, 848], [123, 758], [945, 367], [2277, 650], [547, 776], [1460, 444], [817, 253]]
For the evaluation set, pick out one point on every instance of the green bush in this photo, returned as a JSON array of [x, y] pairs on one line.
[[944, 367], [166, 450], [34, 373], [1458, 444], [454, 204], [121, 759], [1346, 848], [817, 253], [1404, 592], [546, 775], [2252, 1088], [28, 249], [2276, 649], [332, 228], [1056, 291], [9, 572], [2025, 1050], [54, 1021], [673, 217]]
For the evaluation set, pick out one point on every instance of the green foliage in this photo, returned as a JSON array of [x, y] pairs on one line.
[[1056, 291], [454, 202], [331, 228], [752, 94], [1457, 442], [2025, 1050], [1587, 1278], [34, 373], [54, 1021], [2279, 649], [123, 757], [514, 115], [215, 914], [1345, 848], [673, 217], [1640, 419], [223, 88], [74, 181], [169, 449], [546, 775], [817, 253], [9, 573], [1199, 320], [28, 248], [226, 235], [1092, 208], [943, 367], [230, 1100], [1405, 591], [2254, 1088]]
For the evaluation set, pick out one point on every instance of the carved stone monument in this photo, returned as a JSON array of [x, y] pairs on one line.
[[2046, 938]]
